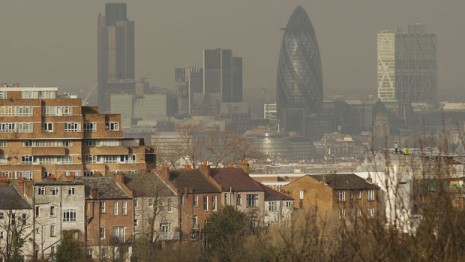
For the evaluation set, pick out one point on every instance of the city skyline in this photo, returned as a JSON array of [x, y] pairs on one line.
[[54, 56]]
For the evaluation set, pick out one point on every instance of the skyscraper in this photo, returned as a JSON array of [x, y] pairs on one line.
[[189, 82], [115, 54], [407, 65], [222, 74], [300, 82]]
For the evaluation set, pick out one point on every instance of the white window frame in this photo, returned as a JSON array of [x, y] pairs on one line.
[[115, 208], [102, 233], [69, 215], [72, 127], [90, 127], [341, 196], [41, 191], [47, 127], [371, 195], [71, 191], [112, 126], [342, 213], [124, 208]]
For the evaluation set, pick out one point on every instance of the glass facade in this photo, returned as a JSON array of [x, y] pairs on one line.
[[299, 81]]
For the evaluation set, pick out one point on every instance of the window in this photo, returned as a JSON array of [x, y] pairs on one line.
[[205, 203], [272, 206], [72, 127], [239, 199], [112, 126], [71, 191], [252, 201], [2, 235], [288, 204], [90, 127], [54, 191], [24, 219], [47, 127], [341, 196], [41, 191], [151, 202], [52, 231], [136, 222], [102, 207], [371, 195], [124, 208], [27, 160], [3, 143], [196, 200], [214, 201], [301, 194], [115, 208], [225, 198], [52, 251], [358, 212], [195, 224], [119, 232], [52, 211], [102, 233], [69, 215], [164, 227], [1, 215], [342, 213], [359, 194], [136, 202], [88, 172], [13, 219], [37, 211], [371, 212], [170, 205]]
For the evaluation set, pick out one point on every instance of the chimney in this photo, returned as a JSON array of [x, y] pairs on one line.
[[119, 178], [369, 180], [244, 165], [164, 172], [21, 186], [205, 169], [94, 192], [4, 182]]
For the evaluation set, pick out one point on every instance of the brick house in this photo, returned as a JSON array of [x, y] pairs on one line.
[[336, 195], [199, 197], [156, 206], [239, 190], [43, 134], [109, 217]]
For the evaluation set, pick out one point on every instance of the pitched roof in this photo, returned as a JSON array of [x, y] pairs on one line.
[[235, 179], [11, 199], [344, 181], [107, 187], [192, 179], [148, 184], [273, 195]]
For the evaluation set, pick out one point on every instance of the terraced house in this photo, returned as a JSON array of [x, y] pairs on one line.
[[44, 134]]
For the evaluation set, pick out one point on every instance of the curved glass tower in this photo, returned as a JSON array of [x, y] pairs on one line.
[[300, 81]]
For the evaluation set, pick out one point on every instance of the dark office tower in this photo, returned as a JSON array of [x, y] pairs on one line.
[[220, 70], [236, 91], [115, 54], [300, 81]]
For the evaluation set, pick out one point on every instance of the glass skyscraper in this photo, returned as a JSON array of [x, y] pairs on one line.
[[115, 54], [300, 82]]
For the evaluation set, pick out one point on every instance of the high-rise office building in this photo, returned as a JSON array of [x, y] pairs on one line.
[[222, 74], [189, 81], [115, 54], [407, 69], [299, 82]]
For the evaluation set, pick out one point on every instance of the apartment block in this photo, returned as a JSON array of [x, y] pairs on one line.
[[44, 134]]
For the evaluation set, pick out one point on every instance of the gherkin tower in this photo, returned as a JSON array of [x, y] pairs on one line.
[[300, 82]]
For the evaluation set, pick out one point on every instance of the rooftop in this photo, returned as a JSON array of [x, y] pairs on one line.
[[344, 181], [10, 199], [235, 179], [107, 187], [146, 185], [192, 179]]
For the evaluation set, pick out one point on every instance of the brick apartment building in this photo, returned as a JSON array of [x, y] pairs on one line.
[[45, 134], [336, 195]]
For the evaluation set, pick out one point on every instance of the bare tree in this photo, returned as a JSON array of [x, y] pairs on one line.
[[15, 233]]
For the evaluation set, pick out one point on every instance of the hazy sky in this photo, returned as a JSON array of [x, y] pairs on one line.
[[54, 42]]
